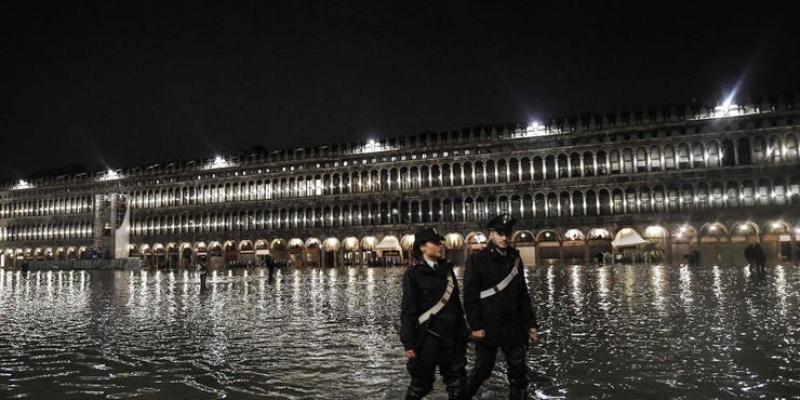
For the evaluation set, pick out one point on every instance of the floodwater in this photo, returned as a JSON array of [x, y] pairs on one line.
[[611, 332]]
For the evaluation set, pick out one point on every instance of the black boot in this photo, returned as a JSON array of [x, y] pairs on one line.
[[412, 395], [517, 393]]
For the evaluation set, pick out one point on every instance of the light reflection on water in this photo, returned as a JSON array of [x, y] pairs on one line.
[[626, 331]]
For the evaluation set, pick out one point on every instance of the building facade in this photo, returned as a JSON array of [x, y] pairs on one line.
[[683, 179]]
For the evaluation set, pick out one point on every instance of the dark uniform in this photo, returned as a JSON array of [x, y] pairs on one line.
[[506, 317], [755, 256], [203, 275], [440, 341]]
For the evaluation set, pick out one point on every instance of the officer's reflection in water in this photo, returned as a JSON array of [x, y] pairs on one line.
[[202, 267], [433, 330]]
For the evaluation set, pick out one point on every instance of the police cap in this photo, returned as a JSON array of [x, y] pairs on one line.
[[503, 223]]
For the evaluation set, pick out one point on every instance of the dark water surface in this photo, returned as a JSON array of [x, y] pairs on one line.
[[621, 332]]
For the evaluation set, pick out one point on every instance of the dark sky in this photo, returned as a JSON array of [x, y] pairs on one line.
[[107, 85]]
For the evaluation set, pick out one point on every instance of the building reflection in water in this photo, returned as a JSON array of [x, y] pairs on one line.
[[686, 286], [714, 331], [603, 288]]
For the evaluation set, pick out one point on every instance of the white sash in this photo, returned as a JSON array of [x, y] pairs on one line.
[[502, 285], [439, 304]]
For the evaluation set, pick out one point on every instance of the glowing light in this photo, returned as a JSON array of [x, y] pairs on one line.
[[218, 162], [22, 184], [729, 100], [110, 175], [374, 146], [534, 128]]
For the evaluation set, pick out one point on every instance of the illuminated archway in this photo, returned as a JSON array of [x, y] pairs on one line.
[[574, 246], [330, 252], [548, 246], [279, 250], [777, 240], [351, 247], [231, 252], [369, 256], [296, 247], [313, 252]]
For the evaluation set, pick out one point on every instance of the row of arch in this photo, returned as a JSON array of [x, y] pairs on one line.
[[51, 231], [527, 206], [47, 206], [638, 159], [285, 248]]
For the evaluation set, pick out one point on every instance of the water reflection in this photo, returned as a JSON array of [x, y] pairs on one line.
[[610, 332]]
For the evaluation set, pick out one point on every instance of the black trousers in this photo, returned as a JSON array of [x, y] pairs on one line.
[[485, 356], [451, 358]]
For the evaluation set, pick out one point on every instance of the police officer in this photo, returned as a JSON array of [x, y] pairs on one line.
[[433, 330], [203, 267], [498, 309], [270, 263]]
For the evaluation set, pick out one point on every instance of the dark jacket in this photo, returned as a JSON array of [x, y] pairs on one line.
[[755, 255], [422, 288], [506, 316]]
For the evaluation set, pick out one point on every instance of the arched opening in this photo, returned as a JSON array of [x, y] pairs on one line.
[[742, 234], [72, 253], [172, 255], [389, 251], [574, 246], [296, 251], [454, 248], [215, 254], [657, 250], [159, 255], [351, 247], [407, 244], [684, 242], [525, 242], [369, 256], [313, 252], [712, 237], [330, 252], [261, 251], [247, 252], [743, 150], [629, 246], [777, 241], [231, 253], [186, 253], [279, 250], [548, 247], [598, 242]]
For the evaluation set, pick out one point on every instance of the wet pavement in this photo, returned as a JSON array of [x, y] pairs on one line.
[[621, 332]]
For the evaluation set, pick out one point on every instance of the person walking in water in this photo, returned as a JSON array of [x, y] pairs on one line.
[[433, 331], [203, 274], [755, 256], [498, 308], [270, 268]]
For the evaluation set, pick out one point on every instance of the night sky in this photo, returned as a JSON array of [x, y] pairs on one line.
[[110, 86]]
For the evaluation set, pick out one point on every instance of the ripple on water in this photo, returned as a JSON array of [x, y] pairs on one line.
[[627, 331]]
